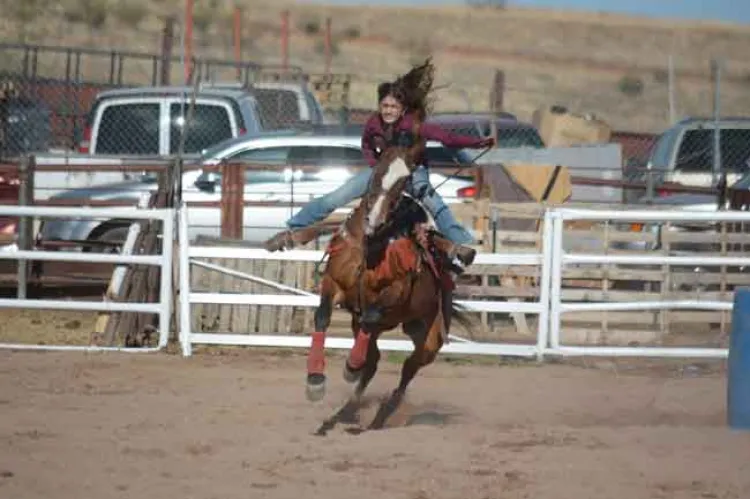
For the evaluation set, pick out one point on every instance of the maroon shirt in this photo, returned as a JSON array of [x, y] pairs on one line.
[[429, 131]]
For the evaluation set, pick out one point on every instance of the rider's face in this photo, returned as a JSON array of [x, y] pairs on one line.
[[390, 109]]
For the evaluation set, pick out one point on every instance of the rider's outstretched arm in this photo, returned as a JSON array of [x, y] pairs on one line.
[[431, 131]]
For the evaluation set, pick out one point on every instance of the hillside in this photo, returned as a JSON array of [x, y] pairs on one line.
[[614, 66]]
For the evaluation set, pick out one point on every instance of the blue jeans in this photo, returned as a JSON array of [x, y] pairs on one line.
[[356, 187]]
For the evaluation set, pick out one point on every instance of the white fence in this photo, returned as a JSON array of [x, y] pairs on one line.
[[164, 260], [560, 258], [549, 308], [189, 255]]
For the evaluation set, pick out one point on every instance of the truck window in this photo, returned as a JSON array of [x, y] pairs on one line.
[[128, 128], [210, 125], [696, 150], [278, 108], [735, 149], [662, 152], [694, 154]]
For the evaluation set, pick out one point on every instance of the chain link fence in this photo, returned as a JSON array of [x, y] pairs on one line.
[[107, 102], [48, 101]]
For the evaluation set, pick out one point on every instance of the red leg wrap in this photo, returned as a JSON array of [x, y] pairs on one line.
[[316, 357], [358, 354]]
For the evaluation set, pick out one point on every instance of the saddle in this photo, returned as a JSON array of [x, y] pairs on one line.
[[414, 222]]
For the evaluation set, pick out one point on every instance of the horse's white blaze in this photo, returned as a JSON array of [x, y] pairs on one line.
[[396, 171]]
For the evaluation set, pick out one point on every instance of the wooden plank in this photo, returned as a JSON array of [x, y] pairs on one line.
[[226, 286], [288, 276], [268, 314], [255, 268], [241, 315]]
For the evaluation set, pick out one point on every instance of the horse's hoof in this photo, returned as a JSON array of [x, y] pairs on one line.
[[316, 387], [351, 375]]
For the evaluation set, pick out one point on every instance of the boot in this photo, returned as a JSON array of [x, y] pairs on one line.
[[464, 254], [459, 256], [279, 242]]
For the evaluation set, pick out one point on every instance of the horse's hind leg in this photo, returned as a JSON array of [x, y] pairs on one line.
[[316, 360], [427, 344]]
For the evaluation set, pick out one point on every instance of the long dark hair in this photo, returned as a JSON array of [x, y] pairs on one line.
[[413, 89]]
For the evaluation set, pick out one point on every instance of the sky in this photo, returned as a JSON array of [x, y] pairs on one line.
[[737, 11]]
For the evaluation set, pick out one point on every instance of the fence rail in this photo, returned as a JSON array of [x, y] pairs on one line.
[[163, 307], [549, 304]]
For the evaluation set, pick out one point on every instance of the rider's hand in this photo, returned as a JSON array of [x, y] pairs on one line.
[[487, 142]]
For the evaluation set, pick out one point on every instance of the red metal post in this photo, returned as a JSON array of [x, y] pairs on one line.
[[285, 39], [238, 40], [188, 39], [328, 46]]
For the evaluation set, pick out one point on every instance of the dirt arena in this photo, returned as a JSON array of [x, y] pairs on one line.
[[231, 423]]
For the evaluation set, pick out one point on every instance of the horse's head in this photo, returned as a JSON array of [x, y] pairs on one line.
[[389, 178]]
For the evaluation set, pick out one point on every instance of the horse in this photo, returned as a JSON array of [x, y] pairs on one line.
[[386, 269]]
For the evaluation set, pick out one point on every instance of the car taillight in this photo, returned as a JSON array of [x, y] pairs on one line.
[[242, 131], [85, 144], [467, 192]]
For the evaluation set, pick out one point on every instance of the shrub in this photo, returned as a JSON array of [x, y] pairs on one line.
[[631, 85]]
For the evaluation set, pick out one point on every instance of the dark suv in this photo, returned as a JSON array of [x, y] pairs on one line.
[[510, 132]]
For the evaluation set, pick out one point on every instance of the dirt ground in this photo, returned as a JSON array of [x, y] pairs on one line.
[[230, 423]]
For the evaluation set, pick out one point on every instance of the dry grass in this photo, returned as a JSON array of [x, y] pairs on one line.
[[573, 58]]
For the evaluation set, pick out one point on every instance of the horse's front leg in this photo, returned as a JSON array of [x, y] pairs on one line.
[[316, 359], [364, 329]]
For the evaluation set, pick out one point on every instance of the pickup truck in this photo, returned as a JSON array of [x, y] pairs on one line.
[[684, 155]]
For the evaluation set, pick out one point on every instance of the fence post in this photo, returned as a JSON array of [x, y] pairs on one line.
[[285, 39], [328, 47], [237, 32], [716, 70], [498, 92], [25, 224], [167, 43], [232, 202]]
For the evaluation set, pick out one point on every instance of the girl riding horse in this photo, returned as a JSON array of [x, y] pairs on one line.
[[401, 103]]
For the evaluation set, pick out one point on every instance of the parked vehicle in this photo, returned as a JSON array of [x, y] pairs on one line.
[[284, 104], [509, 132], [150, 120], [335, 154], [281, 104], [683, 155], [25, 126]]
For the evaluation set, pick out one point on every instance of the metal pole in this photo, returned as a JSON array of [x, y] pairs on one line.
[[25, 223], [670, 86], [716, 67]]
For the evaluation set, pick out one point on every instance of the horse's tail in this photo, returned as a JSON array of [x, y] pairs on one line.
[[458, 313]]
